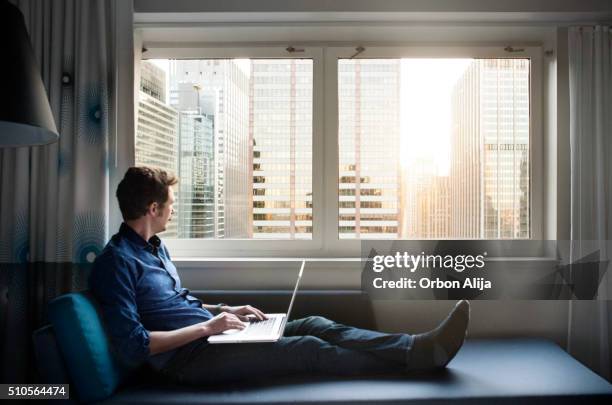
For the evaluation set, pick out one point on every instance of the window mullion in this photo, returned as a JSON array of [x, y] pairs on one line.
[[331, 241]]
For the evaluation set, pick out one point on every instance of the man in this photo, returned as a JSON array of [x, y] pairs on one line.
[[151, 317]]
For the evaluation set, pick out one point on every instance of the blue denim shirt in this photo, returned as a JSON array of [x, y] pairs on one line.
[[139, 291]]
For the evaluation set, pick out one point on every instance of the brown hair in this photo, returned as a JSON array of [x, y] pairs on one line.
[[141, 187]]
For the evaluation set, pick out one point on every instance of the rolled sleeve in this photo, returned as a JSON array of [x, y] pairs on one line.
[[113, 283]]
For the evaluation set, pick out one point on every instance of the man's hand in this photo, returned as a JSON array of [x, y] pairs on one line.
[[221, 323], [162, 341], [243, 310]]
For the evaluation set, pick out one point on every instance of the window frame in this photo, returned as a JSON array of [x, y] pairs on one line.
[[211, 248], [344, 247], [325, 242]]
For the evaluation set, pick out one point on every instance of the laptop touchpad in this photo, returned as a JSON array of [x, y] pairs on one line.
[[230, 331]]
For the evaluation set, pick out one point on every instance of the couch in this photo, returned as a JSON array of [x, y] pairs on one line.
[[73, 349]]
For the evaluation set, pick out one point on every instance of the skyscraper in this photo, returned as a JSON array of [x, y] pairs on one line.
[[425, 212], [490, 161], [369, 148], [280, 125], [466, 174], [197, 168], [157, 128], [153, 81], [433, 214], [505, 131], [220, 94]]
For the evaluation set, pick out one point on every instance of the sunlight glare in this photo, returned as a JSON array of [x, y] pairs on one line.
[[425, 123]]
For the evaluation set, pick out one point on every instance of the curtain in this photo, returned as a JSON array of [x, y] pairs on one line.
[[54, 200], [590, 70]]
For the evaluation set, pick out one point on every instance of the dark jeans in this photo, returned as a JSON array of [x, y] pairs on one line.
[[312, 345]]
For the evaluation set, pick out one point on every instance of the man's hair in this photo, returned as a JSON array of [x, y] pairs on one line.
[[140, 187]]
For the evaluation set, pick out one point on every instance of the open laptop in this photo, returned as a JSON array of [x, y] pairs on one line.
[[269, 330]]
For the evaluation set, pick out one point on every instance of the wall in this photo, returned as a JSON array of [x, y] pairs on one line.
[[372, 6]]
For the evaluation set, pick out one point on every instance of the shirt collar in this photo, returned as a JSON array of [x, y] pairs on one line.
[[131, 235]]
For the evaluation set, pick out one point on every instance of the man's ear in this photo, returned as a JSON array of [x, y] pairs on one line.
[[153, 208]]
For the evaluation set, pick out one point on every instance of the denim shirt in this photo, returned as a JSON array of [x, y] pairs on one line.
[[139, 290]]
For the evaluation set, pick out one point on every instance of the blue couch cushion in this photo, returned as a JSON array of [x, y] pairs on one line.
[[93, 369]]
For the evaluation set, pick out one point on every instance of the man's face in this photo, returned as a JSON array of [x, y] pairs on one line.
[[164, 213]]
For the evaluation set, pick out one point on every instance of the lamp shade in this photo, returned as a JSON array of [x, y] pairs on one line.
[[25, 114]]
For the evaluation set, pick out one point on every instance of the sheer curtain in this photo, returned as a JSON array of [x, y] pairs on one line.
[[590, 69], [54, 200]]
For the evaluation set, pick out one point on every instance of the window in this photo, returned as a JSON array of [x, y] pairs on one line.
[[434, 148], [238, 133], [285, 154]]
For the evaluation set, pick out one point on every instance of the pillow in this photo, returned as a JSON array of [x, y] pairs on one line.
[[92, 367]]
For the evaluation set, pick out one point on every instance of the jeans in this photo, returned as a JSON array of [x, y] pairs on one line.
[[312, 345]]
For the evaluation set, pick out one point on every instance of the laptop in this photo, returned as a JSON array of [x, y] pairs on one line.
[[269, 330]]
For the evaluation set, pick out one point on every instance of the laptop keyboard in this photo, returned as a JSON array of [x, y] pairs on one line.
[[260, 327]]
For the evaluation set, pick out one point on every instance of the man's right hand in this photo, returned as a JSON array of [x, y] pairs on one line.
[[222, 322]]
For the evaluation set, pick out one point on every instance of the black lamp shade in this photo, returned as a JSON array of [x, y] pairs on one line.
[[25, 114]]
